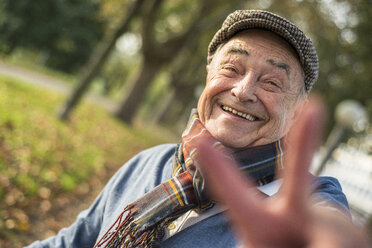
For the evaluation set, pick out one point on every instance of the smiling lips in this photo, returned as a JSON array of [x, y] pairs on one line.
[[240, 114]]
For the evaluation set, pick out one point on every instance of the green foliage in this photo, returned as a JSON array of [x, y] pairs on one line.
[[116, 72], [42, 158], [353, 60], [63, 32], [173, 17]]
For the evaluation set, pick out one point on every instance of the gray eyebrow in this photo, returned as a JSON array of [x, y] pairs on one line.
[[280, 65], [238, 51]]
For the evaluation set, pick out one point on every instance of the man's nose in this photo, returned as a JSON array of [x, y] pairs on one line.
[[245, 89]]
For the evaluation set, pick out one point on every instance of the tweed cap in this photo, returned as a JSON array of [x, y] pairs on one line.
[[258, 19]]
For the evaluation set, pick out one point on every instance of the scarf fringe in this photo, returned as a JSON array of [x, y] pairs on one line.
[[114, 233], [124, 233]]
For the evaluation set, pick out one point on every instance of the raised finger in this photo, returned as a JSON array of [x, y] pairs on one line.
[[300, 146]]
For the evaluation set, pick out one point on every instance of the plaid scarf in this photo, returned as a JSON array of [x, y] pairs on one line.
[[142, 223]]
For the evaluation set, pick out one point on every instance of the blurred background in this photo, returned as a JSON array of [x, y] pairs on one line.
[[84, 85]]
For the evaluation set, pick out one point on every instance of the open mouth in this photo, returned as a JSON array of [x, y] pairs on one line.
[[240, 114]]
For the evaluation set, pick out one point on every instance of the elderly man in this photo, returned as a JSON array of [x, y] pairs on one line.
[[260, 70]]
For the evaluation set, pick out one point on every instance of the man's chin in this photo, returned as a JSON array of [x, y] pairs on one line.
[[240, 143], [234, 144], [234, 140]]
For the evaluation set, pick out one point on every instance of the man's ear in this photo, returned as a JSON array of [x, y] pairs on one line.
[[297, 113], [299, 109]]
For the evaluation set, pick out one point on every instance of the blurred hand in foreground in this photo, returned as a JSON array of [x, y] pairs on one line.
[[289, 218]]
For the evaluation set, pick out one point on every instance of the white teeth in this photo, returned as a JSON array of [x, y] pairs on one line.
[[235, 112]]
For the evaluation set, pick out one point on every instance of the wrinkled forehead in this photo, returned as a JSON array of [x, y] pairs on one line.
[[243, 38]]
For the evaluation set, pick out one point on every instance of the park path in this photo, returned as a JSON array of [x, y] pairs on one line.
[[50, 83]]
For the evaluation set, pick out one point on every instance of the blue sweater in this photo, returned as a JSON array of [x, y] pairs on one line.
[[137, 177]]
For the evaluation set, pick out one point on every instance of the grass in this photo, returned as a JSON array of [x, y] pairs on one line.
[[42, 157]]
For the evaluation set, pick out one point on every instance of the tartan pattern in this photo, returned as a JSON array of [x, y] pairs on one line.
[[142, 223], [249, 19]]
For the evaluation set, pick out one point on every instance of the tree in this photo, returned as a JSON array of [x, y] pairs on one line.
[[353, 61], [98, 58], [63, 32]]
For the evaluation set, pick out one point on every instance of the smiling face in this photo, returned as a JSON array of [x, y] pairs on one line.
[[253, 90]]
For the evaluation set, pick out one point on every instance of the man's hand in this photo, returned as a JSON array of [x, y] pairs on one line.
[[287, 219]]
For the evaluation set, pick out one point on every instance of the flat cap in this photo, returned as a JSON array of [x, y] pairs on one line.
[[258, 19]]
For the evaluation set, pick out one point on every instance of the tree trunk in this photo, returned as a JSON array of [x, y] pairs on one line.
[[96, 61], [93, 67], [165, 107], [158, 54], [137, 91], [184, 100]]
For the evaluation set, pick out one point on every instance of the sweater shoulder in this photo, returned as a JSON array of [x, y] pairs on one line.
[[329, 190]]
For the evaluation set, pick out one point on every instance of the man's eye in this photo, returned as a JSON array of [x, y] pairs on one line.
[[273, 83], [231, 69]]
